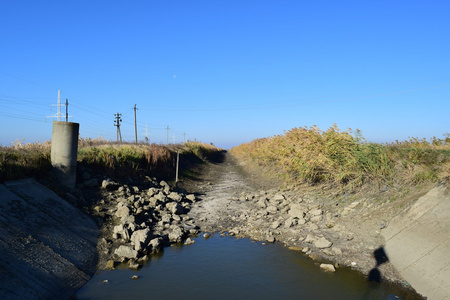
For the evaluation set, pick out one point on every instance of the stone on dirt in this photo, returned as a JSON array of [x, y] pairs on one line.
[[322, 243]]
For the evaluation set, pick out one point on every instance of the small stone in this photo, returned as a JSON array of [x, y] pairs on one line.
[[133, 265], [310, 239], [316, 212], [135, 277], [270, 239], [328, 267], [337, 251], [295, 248], [206, 236], [275, 225], [189, 241], [110, 265]]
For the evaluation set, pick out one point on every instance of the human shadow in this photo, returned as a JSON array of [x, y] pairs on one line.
[[380, 258]]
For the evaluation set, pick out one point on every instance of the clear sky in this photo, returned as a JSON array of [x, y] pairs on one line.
[[225, 72]]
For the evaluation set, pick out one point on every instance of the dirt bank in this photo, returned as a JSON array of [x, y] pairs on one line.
[[324, 224]]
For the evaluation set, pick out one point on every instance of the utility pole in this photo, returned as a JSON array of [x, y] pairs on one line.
[[59, 114], [184, 135], [167, 134], [67, 110], [135, 124], [146, 133], [117, 123]]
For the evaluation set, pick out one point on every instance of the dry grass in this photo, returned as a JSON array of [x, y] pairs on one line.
[[113, 159], [345, 158]]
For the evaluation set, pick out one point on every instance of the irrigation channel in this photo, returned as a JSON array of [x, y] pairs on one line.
[[230, 268], [226, 267]]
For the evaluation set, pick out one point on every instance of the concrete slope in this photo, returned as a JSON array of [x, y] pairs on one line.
[[47, 246], [418, 244]]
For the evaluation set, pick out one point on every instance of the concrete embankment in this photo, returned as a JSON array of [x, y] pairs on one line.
[[418, 244], [47, 246]]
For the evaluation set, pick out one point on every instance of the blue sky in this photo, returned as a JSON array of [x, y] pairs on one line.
[[225, 72]]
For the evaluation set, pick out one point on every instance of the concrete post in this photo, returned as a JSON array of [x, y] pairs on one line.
[[64, 152]]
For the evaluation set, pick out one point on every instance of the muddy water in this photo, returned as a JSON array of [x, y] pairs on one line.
[[228, 268]]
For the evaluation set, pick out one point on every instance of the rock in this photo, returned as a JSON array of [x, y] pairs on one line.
[[290, 222], [126, 251], [353, 205], [310, 239], [295, 248], [155, 245], [135, 277], [140, 239], [190, 197], [133, 265], [316, 219], [328, 252], [297, 211], [337, 251], [166, 218], [313, 227], [110, 265], [271, 209], [121, 232], [175, 208], [322, 243], [175, 196], [206, 236], [328, 267], [122, 211], [279, 197], [275, 225], [176, 235], [316, 212], [306, 249], [270, 239], [164, 184], [110, 185], [189, 241], [262, 203]]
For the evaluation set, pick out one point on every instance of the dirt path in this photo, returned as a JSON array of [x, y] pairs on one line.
[[221, 185]]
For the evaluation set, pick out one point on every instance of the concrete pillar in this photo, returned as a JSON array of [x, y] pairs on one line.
[[64, 152]]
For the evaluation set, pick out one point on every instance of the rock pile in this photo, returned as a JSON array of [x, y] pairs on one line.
[[299, 221], [142, 222]]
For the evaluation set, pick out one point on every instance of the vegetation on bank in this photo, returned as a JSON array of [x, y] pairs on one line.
[[112, 159], [345, 158]]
